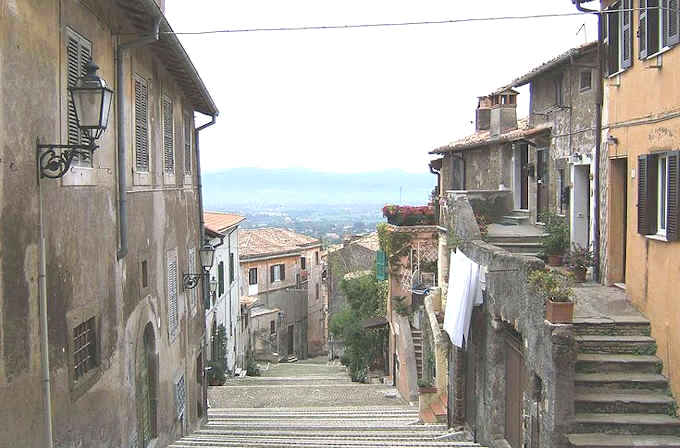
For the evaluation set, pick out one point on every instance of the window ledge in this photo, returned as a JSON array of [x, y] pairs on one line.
[[79, 176], [659, 53], [657, 238], [141, 178]]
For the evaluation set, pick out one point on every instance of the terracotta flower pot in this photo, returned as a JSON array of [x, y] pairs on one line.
[[559, 312], [579, 274], [555, 260]]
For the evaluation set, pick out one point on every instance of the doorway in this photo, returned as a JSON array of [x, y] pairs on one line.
[[542, 182], [515, 380], [521, 177], [618, 221], [580, 205]]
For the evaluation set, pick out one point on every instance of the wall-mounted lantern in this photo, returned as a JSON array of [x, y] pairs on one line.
[[92, 102], [207, 256]]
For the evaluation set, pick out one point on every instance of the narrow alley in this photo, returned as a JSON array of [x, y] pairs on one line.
[[312, 404]]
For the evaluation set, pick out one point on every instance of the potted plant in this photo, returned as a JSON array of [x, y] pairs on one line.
[[555, 289], [579, 260], [556, 241]]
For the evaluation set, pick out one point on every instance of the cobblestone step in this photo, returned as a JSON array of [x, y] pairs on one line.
[[189, 443], [613, 326], [622, 441], [636, 345], [621, 381], [624, 402], [594, 363], [633, 424]]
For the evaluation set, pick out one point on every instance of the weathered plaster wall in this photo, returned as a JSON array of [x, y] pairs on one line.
[[316, 316]]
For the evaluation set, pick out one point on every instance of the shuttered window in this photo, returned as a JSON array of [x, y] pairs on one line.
[[659, 194], [172, 294], [671, 22], [252, 276], [619, 39], [168, 136], [180, 396], [78, 53], [193, 301], [141, 124], [220, 278], [231, 269], [277, 273], [659, 26], [187, 144]]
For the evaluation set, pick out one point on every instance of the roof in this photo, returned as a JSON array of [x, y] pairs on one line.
[[356, 274], [247, 301], [270, 241], [484, 138], [263, 312], [369, 241], [141, 14], [218, 222], [554, 62]]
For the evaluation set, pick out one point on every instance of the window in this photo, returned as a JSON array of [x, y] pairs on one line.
[[78, 52], [191, 266], [145, 274], [187, 144], [220, 279], [317, 291], [252, 276], [84, 348], [180, 396], [141, 124], [168, 136], [303, 263], [619, 40], [316, 257], [586, 80], [277, 273], [231, 268], [172, 294], [272, 326], [658, 194], [659, 26]]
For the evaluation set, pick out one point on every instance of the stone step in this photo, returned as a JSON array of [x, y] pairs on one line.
[[209, 442], [637, 345], [526, 247], [597, 440], [514, 219], [633, 424], [620, 381], [385, 427], [404, 434], [321, 415], [613, 326], [624, 402], [603, 363]]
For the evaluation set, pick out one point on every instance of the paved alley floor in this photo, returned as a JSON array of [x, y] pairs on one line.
[[312, 404]]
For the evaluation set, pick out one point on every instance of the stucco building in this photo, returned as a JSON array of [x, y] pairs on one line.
[[125, 340], [224, 306], [282, 269]]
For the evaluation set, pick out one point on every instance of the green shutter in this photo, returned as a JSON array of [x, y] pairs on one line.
[[380, 265]]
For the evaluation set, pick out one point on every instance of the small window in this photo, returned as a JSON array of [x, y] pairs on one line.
[[316, 257], [619, 34], [141, 125], [180, 396], [252, 276], [231, 268], [303, 263], [168, 136], [145, 274], [277, 273], [187, 144], [78, 53], [172, 294], [84, 348], [659, 194], [586, 80], [272, 327], [220, 278], [317, 291]]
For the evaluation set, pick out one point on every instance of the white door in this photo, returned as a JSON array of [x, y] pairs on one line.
[[580, 205]]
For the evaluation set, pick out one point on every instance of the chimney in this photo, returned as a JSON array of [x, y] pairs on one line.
[[503, 112], [483, 113]]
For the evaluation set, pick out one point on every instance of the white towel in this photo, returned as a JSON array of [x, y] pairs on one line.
[[464, 292]]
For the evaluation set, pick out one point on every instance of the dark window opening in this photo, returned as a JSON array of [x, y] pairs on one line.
[[252, 276], [145, 274], [272, 327], [586, 80], [84, 348]]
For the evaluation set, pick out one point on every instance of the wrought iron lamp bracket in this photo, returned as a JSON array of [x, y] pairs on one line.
[[54, 160], [190, 281]]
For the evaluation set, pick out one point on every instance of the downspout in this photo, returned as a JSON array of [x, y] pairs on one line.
[[232, 333], [598, 141], [436, 203], [120, 122]]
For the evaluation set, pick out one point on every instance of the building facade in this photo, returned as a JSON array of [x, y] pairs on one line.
[[224, 308], [125, 353]]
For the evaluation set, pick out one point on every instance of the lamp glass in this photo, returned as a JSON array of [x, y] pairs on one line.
[[207, 254], [213, 285], [92, 101]]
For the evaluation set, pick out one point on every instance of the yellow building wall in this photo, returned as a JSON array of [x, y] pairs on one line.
[[637, 96]]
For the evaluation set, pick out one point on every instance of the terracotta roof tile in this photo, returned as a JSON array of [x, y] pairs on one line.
[[271, 240], [218, 222], [369, 241]]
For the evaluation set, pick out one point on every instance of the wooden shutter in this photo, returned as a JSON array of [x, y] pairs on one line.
[[671, 25], [642, 30], [168, 136], [220, 278], [271, 274], [231, 268], [193, 306], [187, 144], [283, 272], [172, 294], [78, 51], [653, 40], [673, 199], [380, 265], [627, 34], [141, 125], [646, 195], [613, 42]]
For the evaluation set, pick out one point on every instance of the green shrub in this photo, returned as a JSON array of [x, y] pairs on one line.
[[216, 376], [252, 369], [551, 285]]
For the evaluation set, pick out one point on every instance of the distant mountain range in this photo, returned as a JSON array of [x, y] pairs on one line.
[[295, 187]]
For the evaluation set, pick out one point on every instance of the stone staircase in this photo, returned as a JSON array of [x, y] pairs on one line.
[[518, 236], [516, 217], [417, 336], [621, 400], [352, 427]]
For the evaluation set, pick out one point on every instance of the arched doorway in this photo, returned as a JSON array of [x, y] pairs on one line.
[[147, 381]]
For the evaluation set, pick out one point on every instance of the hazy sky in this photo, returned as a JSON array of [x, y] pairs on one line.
[[359, 99]]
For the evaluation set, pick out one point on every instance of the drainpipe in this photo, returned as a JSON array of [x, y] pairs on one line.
[[120, 122], [598, 140], [201, 220]]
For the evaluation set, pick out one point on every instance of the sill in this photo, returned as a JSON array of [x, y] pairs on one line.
[[84, 384], [614, 75], [657, 237], [141, 178], [659, 53], [79, 176], [188, 180], [169, 178]]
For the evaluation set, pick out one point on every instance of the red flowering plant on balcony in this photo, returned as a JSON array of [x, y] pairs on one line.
[[405, 215]]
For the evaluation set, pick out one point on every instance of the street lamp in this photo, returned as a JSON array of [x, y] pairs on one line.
[[92, 103], [207, 256]]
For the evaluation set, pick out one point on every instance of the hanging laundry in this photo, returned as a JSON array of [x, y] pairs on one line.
[[464, 292]]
